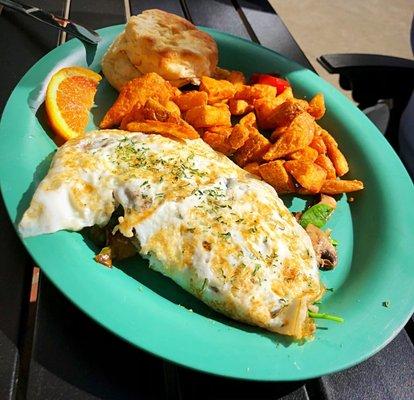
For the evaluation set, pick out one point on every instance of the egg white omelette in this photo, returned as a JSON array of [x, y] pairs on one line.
[[216, 230]]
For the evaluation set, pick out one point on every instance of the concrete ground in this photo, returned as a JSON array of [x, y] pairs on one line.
[[351, 26]]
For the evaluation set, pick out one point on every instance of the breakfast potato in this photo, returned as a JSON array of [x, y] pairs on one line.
[[253, 149], [207, 116], [285, 113], [191, 99], [333, 152], [239, 107], [297, 136], [286, 94], [253, 168], [217, 139], [325, 162], [308, 174], [275, 174], [338, 186], [306, 154], [173, 108], [277, 133], [258, 91], [235, 77], [317, 106], [217, 90], [239, 135], [168, 129], [136, 93], [249, 120], [318, 144]]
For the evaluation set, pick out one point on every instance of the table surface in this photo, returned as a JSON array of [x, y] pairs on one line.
[[50, 350]]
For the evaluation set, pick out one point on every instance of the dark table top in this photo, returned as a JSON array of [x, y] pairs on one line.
[[50, 350]]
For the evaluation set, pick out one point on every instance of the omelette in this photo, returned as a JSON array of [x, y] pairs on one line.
[[213, 228]]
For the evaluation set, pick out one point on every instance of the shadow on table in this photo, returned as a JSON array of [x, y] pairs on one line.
[[72, 353]]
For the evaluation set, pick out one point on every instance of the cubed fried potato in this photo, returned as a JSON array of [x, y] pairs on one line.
[[172, 108], [318, 144], [217, 90], [307, 174], [239, 135], [253, 92], [306, 154], [317, 106], [191, 99], [297, 136], [253, 149], [326, 163], [249, 120], [265, 108], [206, 116], [333, 152], [222, 130], [277, 133], [285, 113], [218, 141], [275, 174], [253, 168], [236, 78], [338, 186], [137, 92], [239, 107], [168, 129]]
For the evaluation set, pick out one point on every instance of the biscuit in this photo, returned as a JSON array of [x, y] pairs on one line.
[[116, 65], [157, 41]]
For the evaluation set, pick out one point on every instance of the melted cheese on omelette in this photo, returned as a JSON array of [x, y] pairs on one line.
[[217, 231]]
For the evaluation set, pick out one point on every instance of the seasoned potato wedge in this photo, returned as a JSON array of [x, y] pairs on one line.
[[250, 93], [239, 135], [317, 106], [188, 100], [217, 139], [338, 186], [253, 168], [305, 154], [297, 136], [333, 152], [275, 174], [308, 174], [207, 116], [239, 107], [253, 149], [164, 128], [217, 90], [318, 144], [325, 162]]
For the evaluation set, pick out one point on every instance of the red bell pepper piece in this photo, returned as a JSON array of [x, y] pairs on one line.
[[266, 79]]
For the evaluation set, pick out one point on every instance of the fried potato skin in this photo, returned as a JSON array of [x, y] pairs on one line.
[[333, 152], [218, 140], [305, 154], [298, 135], [253, 168]]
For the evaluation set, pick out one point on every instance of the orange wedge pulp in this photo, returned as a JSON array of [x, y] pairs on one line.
[[69, 97]]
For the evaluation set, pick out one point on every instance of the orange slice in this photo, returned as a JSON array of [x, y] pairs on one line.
[[69, 98]]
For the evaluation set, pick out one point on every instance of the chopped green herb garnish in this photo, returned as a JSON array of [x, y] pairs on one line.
[[256, 268], [334, 242], [386, 304], [325, 316], [204, 284], [329, 289]]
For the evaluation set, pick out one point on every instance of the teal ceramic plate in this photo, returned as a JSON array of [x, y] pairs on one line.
[[146, 309]]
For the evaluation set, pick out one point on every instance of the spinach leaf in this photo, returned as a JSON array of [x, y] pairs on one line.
[[316, 215]]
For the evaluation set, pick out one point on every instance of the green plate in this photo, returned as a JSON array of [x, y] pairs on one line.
[[146, 309]]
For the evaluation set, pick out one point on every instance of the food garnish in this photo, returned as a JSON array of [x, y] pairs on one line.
[[69, 97], [329, 317]]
